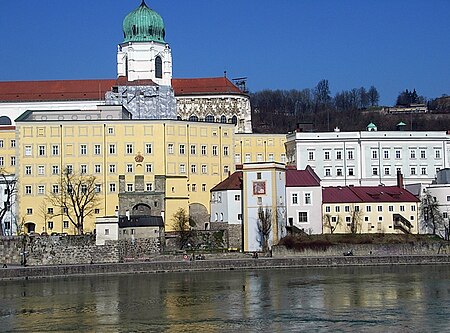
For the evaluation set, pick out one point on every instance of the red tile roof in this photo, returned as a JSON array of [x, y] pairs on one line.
[[302, 178], [212, 85], [344, 194], [232, 182], [73, 90]]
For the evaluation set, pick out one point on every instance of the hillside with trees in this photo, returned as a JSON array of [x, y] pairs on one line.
[[278, 111]]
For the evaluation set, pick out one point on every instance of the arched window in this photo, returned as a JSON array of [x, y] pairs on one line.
[[234, 120], [223, 119], [193, 118], [209, 118], [158, 67]]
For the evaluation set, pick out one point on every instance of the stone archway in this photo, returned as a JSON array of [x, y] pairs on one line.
[[199, 215], [141, 209]]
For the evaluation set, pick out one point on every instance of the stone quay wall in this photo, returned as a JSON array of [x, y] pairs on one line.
[[70, 250], [367, 250], [217, 265]]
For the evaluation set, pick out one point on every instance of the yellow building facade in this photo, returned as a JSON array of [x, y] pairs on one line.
[[193, 157]]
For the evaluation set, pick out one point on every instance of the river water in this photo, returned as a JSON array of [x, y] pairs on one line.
[[346, 299]]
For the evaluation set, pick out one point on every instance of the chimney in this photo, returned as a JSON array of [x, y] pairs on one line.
[[399, 179]]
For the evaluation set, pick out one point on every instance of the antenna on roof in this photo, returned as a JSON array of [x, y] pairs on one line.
[[241, 83]]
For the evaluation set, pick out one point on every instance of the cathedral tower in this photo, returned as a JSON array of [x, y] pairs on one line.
[[144, 54]]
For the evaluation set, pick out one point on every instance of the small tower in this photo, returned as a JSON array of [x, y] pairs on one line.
[[144, 54], [372, 127]]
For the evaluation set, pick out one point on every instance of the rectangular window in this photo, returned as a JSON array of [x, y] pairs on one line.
[[368, 209], [225, 151], [247, 157], [423, 171], [28, 150], [413, 171], [326, 155], [55, 169], [28, 189], [226, 169], [310, 156], [182, 150], [327, 172], [237, 197], [170, 148], [374, 171], [437, 154], [347, 209], [203, 187], [327, 209], [13, 161], [41, 150], [50, 225], [66, 225], [351, 172], [387, 171], [337, 209], [380, 208], [112, 168], [97, 168], [29, 211], [423, 154], [302, 217], [412, 154], [112, 187], [398, 154], [386, 154], [55, 189], [148, 148], [271, 157], [149, 168], [149, 187], [204, 168], [214, 150], [193, 149], [350, 155], [308, 199], [98, 188], [83, 169], [129, 148], [391, 208], [413, 208], [110, 130], [83, 149], [338, 172], [50, 210], [1, 143], [2, 161], [41, 170], [402, 208], [112, 149], [294, 198], [194, 188], [193, 168], [55, 150], [339, 155], [374, 154], [129, 168], [204, 150], [41, 189], [69, 169], [97, 149], [182, 168], [28, 170], [259, 157], [129, 187]]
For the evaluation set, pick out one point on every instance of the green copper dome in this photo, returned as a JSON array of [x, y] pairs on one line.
[[143, 25]]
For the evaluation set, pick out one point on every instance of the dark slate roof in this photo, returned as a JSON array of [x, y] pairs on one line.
[[302, 178], [344, 194], [140, 221], [233, 182]]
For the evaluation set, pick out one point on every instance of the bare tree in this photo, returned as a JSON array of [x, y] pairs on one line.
[[327, 222], [182, 225], [10, 190], [430, 213], [77, 197], [264, 225], [356, 216]]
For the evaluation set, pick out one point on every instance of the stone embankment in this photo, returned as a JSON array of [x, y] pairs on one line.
[[179, 264]]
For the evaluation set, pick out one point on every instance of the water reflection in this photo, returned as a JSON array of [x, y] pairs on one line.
[[402, 298]]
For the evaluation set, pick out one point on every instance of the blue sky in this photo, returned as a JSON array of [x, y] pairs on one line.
[[277, 44]]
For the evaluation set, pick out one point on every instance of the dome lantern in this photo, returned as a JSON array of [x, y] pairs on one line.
[[143, 25]]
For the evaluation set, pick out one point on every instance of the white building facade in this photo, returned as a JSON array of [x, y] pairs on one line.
[[370, 158]]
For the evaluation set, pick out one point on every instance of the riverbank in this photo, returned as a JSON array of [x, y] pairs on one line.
[[216, 264]]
